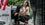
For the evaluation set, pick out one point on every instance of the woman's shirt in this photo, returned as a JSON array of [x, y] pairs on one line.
[[27, 13]]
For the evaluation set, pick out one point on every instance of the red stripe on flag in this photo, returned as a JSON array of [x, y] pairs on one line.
[[0, 6], [2, 2], [5, 5]]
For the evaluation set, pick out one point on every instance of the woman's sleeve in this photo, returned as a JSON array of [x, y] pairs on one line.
[[27, 8]]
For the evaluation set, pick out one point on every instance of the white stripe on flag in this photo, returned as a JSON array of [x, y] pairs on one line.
[[4, 1], [2, 7]]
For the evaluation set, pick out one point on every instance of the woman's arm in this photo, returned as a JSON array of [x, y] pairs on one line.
[[15, 14], [23, 12]]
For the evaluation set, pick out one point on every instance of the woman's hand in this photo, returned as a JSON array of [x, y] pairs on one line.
[[15, 13]]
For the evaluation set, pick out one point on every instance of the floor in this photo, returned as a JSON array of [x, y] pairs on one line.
[[30, 22]]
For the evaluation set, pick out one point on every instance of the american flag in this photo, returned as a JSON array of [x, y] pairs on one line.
[[3, 4]]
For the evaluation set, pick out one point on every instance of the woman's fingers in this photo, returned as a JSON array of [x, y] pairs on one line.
[[16, 13]]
